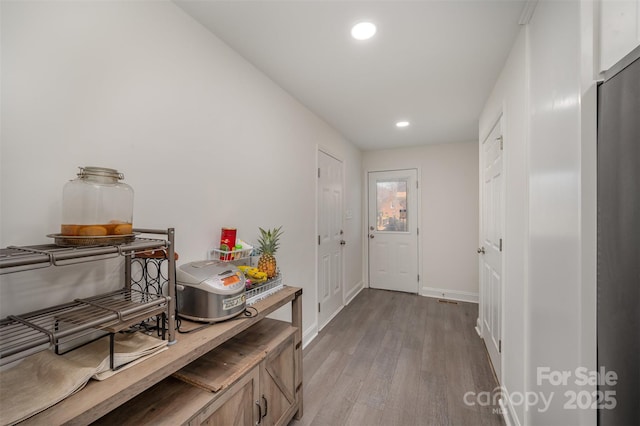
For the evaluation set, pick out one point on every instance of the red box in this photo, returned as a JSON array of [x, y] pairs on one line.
[[227, 242]]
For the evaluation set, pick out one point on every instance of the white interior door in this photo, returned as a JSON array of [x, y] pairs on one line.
[[491, 245], [393, 230], [330, 242]]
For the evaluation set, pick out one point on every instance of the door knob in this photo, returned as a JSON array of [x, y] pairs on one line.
[[481, 250], [371, 236], [371, 228], [342, 242]]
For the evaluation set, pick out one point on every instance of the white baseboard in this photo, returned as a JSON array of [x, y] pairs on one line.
[[333, 315], [312, 332], [441, 293], [353, 292], [509, 415], [505, 412], [309, 334]]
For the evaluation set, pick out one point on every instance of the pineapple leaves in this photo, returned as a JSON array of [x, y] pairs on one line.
[[268, 244], [269, 240]]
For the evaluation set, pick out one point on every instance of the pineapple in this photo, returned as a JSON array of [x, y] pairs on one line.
[[268, 245]]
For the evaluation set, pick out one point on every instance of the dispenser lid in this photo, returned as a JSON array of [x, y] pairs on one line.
[[99, 171]]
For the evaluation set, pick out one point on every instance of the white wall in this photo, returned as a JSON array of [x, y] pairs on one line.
[[204, 138], [553, 302], [619, 30], [546, 93], [448, 175], [509, 100]]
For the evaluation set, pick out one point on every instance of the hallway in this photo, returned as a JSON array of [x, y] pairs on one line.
[[394, 358]]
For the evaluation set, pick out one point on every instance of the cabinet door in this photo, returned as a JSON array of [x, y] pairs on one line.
[[277, 384], [236, 406]]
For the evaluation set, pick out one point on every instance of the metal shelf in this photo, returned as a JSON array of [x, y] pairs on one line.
[[16, 259], [68, 326]]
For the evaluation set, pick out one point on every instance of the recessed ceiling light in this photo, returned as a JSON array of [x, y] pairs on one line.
[[402, 124], [363, 31]]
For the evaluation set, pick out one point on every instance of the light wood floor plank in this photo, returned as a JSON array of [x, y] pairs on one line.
[[401, 405], [322, 384], [338, 404], [363, 414], [393, 358]]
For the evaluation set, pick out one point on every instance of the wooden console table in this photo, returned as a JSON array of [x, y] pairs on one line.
[[100, 398]]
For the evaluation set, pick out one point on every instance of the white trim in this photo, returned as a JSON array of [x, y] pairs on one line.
[[441, 293], [333, 315], [329, 152], [322, 149], [501, 123], [527, 12], [354, 292], [418, 206], [313, 331], [508, 413], [310, 334], [478, 326]]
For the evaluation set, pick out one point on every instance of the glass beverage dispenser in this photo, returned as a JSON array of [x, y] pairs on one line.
[[97, 204]]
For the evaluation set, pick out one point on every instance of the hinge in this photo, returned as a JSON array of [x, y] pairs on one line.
[[318, 308], [500, 346], [416, 184], [318, 171], [418, 277], [418, 231], [318, 239], [500, 244], [501, 143]]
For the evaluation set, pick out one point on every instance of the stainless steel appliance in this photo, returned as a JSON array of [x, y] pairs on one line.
[[619, 242], [209, 291]]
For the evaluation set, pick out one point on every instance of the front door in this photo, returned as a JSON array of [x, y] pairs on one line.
[[491, 245], [330, 299], [393, 230]]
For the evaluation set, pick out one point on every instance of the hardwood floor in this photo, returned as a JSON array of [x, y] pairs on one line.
[[394, 358]]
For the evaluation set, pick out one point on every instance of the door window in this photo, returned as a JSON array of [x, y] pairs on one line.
[[391, 205]]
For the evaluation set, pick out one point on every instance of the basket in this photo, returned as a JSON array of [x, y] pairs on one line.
[[228, 256], [264, 290]]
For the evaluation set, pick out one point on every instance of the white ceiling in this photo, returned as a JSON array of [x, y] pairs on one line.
[[431, 62]]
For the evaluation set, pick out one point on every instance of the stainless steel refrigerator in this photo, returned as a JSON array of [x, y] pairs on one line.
[[619, 241]]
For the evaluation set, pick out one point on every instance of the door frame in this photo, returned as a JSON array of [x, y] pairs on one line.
[[330, 153], [499, 118], [365, 221]]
